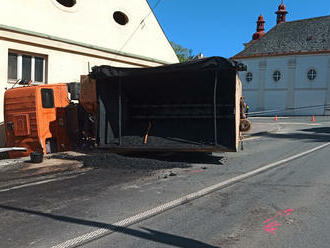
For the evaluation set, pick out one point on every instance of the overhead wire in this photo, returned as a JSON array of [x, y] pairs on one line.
[[138, 26]]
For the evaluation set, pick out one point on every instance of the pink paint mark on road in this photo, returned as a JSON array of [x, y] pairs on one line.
[[288, 212], [271, 227], [271, 230], [268, 220]]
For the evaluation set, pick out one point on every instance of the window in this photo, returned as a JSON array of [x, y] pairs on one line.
[[311, 74], [120, 18], [249, 76], [277, 76], [47, 98], [39, 69], [67, 3], [12, 66], [26, 67], [69, 6]]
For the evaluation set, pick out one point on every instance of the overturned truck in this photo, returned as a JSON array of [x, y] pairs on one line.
[[193, 106]]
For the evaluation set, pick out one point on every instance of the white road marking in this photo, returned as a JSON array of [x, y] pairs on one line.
[[300, 123], [134, 186], [251, 138], [265, 117], [289, 123], [101, 232], [39, 182]]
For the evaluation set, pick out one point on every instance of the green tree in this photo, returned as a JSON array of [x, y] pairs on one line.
[[184, 54]]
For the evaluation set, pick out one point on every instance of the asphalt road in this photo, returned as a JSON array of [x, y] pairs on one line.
[[296, 198], [283, 207]]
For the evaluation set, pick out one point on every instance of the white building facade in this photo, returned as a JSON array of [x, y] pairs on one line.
[[51, 41], [288, 85], [288, 67]]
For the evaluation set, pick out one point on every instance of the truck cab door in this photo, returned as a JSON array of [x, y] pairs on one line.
[[47, 120]]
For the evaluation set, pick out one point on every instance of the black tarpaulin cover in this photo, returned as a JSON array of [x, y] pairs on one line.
[[174, 107], [212, 63]]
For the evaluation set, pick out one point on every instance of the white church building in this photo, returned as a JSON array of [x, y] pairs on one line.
[[288, 67], [51, 41]]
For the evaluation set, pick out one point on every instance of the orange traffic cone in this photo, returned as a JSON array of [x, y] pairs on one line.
[[275, 118], [313, 118]]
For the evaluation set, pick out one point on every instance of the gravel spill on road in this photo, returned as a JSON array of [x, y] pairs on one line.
[[111, 160]]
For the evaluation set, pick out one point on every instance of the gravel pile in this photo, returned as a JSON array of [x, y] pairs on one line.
[[153, 141], [12, 164], [111, 160]]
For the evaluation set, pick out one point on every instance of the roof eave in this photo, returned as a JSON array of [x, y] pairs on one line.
[[279, 54]]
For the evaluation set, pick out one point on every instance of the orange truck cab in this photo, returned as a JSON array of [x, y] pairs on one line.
[[35, 118]]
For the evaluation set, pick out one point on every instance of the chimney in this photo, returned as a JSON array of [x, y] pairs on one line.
[[260, 28], [281, 13]]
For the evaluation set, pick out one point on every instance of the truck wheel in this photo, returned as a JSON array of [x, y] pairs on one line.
[[245, 125]]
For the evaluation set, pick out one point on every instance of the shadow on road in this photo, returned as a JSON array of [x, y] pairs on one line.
[[186, 157], [152, 235], [312, 134], [321, 130]]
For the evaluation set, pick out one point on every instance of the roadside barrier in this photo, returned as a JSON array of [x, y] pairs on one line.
[[287, 111]]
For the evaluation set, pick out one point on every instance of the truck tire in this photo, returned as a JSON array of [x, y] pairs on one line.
[[245, 125]]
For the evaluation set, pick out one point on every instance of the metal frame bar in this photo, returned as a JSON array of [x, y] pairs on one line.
[[119, 110], [182, 117], [215, 109], [181, 106], [9, 149]]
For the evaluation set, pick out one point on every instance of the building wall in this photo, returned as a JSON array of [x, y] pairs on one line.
[[294, 93], [92, 22], [75, 39], [64, 62]]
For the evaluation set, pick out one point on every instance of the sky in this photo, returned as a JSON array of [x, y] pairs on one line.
[[219, 28]]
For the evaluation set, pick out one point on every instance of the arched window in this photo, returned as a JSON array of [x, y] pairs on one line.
[[311, 74], [277, 76], [249, 76]]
